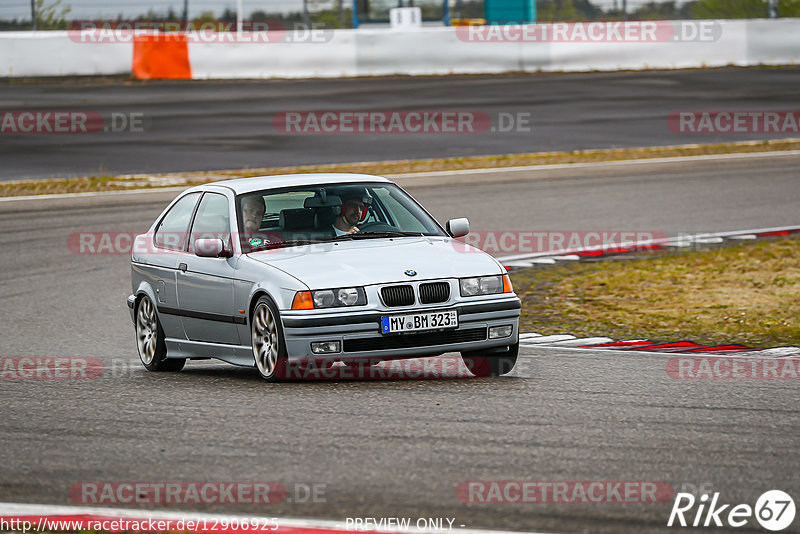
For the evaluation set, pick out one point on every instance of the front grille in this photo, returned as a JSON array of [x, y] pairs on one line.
[[407, 341], [398, 295], [434, 292]]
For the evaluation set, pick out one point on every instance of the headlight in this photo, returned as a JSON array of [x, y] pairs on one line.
[[323, 299], [469, 286], [348, 296], [332, 298], [485, 285]]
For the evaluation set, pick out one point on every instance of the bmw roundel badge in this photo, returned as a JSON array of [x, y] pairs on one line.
[[411, 272]]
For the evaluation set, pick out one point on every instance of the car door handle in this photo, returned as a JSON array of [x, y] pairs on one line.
[[182, 267]]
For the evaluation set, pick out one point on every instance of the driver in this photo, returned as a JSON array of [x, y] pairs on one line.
[[354, 206]]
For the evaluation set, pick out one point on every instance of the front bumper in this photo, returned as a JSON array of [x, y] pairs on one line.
[[360, 336]]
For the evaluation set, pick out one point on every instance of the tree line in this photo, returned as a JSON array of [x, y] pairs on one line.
[[52, 15]]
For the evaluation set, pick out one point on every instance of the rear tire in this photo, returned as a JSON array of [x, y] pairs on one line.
[[484, 364], [150, 340]]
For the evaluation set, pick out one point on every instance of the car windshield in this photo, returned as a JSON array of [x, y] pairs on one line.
[[314, 214]]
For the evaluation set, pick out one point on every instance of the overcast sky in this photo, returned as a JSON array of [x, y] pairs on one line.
[[90, 9]]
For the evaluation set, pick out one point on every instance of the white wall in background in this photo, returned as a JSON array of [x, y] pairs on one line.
[[54, 53], [414, 51]]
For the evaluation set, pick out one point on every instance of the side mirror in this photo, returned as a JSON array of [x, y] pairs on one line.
[[211, 248], [458, 227]]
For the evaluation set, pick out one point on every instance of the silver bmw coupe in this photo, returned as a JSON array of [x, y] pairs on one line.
[[329, 269]]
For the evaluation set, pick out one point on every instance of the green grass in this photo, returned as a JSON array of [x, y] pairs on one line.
[[747, 293]]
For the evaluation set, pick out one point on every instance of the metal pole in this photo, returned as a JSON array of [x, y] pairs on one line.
[[185, 15], [239, 15], [624, 9], [773, 9], [33, 14]]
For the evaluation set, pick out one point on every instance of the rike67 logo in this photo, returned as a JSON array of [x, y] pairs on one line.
[[774, 510]]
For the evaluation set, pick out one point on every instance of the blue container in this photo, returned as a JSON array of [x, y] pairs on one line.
[[509, 11]]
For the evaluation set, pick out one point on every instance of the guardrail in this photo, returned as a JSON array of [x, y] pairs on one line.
[[591, 46]]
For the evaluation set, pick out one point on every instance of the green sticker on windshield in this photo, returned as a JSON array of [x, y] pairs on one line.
[[255, 241]]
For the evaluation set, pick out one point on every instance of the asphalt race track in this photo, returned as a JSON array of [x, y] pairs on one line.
[[229, 124], [395, 448]]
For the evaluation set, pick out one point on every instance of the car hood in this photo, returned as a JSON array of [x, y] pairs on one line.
[[379, 261]]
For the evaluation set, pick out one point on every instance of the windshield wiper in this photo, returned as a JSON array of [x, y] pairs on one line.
[[283, 244], [339, 237], [369, 235], [384, 233]]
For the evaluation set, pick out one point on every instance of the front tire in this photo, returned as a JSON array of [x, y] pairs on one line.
[[483, 364], [266, 337], [150, 340]]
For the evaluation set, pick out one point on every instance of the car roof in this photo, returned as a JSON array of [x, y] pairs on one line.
[[257, 183]]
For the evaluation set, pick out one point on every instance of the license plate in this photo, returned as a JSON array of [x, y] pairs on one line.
[[419, 322]]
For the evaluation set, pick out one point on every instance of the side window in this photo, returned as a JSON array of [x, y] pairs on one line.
[[212, 219], [171, 232]]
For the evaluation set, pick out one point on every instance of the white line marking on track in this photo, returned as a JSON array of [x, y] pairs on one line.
[[524, 168], [96, 194], [522, 263], [544, 261], [618, 352], [529, 335], [583, 341], [548, 339], [592, 351], [777, 352], [680, 241]]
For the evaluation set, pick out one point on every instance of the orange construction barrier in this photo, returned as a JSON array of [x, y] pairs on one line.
[[162, 56], [467, 22]]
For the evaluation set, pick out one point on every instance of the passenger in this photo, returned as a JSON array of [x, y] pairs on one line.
[[253, 209]]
